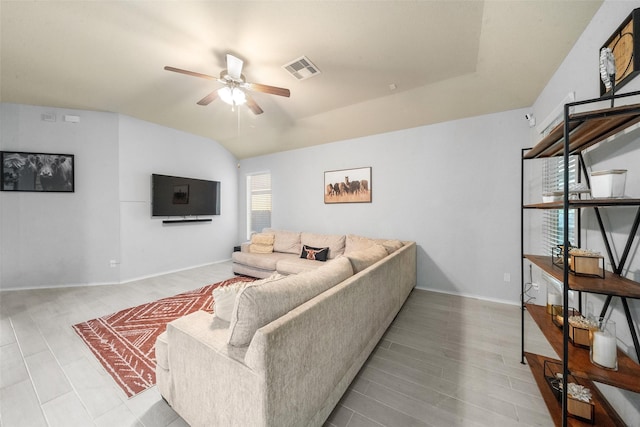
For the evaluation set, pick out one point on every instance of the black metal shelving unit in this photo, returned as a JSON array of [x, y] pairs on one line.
[[578, 132]]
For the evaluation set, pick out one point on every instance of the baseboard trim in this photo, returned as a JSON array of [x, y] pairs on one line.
[[149, 276], [66, 285], [479, 297], [88, 284]]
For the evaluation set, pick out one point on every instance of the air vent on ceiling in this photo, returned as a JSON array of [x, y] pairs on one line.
[[302, 68]]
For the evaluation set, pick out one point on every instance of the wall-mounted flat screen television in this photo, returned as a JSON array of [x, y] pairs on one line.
[[179, 196]]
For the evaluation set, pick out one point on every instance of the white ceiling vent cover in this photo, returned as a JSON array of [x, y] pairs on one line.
[[301, 68]]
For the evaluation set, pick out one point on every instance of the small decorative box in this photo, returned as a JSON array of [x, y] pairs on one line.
[[555, 311], [558, 317], [581, 262], [580, 330], [579, 401]]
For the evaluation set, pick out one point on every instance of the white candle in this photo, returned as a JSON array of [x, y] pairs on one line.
[[604, 349], [553, 299]]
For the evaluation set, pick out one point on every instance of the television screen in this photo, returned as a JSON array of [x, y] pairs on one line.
[[178, 196]]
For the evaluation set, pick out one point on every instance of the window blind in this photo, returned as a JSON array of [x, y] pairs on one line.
[[258, 203], [553, 220]]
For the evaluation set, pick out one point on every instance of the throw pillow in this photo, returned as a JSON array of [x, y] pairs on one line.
[[357, 243], [263, 238], [262, 243], [316, 254], [224, 297]]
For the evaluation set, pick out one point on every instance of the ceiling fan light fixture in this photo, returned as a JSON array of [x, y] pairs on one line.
[[232, 95], [233, 92]]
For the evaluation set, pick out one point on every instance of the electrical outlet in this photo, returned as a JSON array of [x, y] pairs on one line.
[[535, 286], [112, 263], [507, 277]]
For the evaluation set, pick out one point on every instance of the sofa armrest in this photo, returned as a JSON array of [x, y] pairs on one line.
[[207, 373]]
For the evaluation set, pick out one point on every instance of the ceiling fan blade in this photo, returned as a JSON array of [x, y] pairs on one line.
[[253, 106], [234, 67], [209, 98], [190, 73], [273, 90]]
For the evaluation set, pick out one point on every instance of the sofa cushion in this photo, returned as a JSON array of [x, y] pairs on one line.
[[357, 243], [263, 261], [297, 265], [224, 298], [333, 241], [391, 245], [365, 258], [262, 243], [315, 254], [261, 303], [285, 241]]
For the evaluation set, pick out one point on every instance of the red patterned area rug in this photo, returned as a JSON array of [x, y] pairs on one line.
[[124, 342]]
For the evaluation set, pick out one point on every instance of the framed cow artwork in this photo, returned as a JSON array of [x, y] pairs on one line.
[[39, 172], [348, 186]]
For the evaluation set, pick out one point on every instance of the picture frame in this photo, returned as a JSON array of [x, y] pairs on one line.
[[348, 186], [625, 46], [37, 172]]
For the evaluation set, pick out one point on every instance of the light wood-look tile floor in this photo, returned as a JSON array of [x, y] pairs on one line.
[[445, 361]]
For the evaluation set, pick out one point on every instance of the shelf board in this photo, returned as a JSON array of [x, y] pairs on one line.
[[551, 140], [612, 284], [586, 129], [605, 415], [625, 377], [591, 203]]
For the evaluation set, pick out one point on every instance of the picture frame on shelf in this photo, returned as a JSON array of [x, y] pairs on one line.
[[625, 47]]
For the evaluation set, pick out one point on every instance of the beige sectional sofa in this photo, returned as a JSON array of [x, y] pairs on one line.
[[287, 247], [294, 343]]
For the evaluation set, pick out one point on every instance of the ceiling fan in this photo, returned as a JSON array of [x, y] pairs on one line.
[[234, 91]]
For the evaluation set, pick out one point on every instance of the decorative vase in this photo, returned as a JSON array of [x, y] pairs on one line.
[[604, 349]]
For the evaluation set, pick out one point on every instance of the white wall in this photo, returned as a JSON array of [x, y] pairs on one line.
[[579, 74], [149, 246], [54, 239], [63, 239], [454, 188]]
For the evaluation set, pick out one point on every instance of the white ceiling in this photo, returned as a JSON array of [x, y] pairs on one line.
[[448, 60]]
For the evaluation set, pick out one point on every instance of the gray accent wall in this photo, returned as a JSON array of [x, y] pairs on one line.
[[147, 245], [453, 187], [60, 239], [67, 239]]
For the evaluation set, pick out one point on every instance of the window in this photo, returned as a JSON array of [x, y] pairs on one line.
[[258, 203], [553, 222]]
